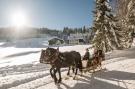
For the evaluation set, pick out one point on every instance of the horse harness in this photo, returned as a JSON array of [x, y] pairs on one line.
[[52, 57], [61, 58]]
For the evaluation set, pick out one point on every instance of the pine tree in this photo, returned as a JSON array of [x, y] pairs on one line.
[[125, 10], [84, 29], [130, 21], [106, 32]]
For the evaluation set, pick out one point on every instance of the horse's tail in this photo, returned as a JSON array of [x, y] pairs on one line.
[[80, 66], [80, 63]]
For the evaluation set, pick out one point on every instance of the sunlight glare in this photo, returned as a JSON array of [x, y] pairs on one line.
[[19, 19]]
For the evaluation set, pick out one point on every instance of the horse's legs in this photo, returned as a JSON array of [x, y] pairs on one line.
[[75, 72], [59, 75], [55, 78], [73, 69], [52, 75], [68, 71]]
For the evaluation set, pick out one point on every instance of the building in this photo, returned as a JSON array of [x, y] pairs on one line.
[[79, 38], [56, 41]]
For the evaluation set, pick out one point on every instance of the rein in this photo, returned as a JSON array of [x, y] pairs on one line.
[[52, 60]]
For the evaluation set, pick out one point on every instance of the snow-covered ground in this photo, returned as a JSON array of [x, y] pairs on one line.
[[20, 69], [26, 43]]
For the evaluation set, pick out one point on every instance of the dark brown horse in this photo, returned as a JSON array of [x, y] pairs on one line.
[[60, 60]]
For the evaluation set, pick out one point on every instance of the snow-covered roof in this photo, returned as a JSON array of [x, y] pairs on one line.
[[56, 38], [74, 38], [78, 36]]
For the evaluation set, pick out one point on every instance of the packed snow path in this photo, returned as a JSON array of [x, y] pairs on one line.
[[20, 69]]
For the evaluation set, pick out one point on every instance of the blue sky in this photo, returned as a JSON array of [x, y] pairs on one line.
[[54, 14]]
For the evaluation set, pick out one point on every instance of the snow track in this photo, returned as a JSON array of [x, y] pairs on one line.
[[14, 78], [20, 69]]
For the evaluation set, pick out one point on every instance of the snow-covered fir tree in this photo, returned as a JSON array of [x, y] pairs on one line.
[[125, 11], [106, 32]]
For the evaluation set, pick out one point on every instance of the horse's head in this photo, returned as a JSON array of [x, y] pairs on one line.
[[42, 57], [49, 55]]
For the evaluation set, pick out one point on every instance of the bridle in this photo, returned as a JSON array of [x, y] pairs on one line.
[[52, 62]]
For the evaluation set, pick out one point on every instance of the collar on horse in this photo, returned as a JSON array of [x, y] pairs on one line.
[[61, 58], [52, 62]]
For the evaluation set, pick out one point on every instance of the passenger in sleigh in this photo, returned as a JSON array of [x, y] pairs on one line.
[[87, 55]]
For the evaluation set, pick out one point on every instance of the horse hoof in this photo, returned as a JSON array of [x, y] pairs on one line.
[[66, 78], [74, 78], [70, 76], [57, 84], [67, 74], [59, 81]]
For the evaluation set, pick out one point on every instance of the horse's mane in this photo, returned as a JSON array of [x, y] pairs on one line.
[[51, 48], [68, 51]]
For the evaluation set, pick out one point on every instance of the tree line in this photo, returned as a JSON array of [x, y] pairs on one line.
[[69, 31], [29, 32]]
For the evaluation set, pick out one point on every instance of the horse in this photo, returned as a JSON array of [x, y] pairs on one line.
[[43, 56], [59, 60]]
